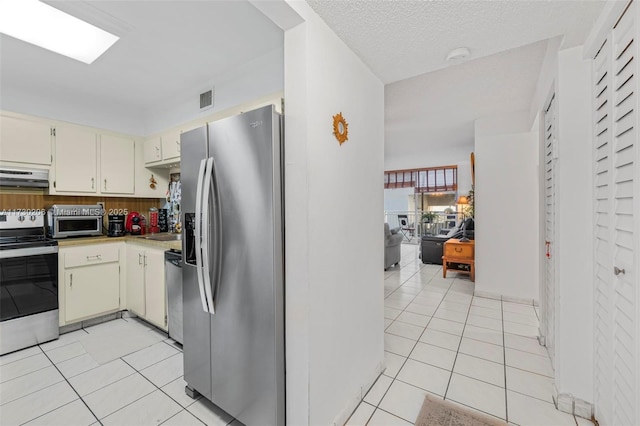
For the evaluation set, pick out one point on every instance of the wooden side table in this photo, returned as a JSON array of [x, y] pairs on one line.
[[463, 253]]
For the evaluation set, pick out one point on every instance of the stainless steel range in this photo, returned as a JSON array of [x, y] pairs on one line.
[[28, 281]]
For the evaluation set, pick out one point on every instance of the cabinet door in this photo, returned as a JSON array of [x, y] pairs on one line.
[[116, 165], [152, 150], [91, 290], [143, 176], [155, 291], [75, 160], [25, 141], [135, 280], [171, 145]]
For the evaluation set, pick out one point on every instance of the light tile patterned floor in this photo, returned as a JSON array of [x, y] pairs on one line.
[[439, 339], [478, 352], [115, 373]]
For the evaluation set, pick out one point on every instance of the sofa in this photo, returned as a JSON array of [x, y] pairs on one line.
[[392, 246], [431, 246]]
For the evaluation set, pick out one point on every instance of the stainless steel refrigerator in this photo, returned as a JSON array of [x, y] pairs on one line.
[[233, 265]]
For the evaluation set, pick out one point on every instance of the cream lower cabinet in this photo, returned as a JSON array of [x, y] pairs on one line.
[[145, 284], [91, 277]]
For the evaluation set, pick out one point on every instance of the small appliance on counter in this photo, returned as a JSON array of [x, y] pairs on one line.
[[136, 224], [116, 225], [153, 221], [163, 222], [70, 220]]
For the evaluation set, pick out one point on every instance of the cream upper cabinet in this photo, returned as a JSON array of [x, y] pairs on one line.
[[171, 145], [24, 141], [75, 160], [152, 150], [117, 155]]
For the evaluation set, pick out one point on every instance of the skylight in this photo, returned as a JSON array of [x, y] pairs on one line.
[[45, 26]]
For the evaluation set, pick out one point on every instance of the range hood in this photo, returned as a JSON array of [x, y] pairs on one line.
[[24, 178]]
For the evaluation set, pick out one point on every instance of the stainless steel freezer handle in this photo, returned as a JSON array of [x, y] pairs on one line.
[[197, 234], [206, 271], [216, 225]]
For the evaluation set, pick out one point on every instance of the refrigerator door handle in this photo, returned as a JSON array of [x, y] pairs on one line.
[[206, 271], [198, 234], [217, 228]]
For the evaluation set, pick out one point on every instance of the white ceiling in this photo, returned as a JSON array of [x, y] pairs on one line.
[[436, 111], [167, 48], [430, 105], [404, 38]]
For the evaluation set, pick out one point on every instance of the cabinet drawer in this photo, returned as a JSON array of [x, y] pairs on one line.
[[458, 250], [90, 255]]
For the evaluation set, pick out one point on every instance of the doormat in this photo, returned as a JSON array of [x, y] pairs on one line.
[[438, 412]]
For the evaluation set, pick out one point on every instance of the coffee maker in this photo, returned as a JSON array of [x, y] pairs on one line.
[[116, 225]]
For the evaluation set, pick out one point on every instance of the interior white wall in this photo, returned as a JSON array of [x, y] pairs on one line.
[[257, 78], [429, 158], [260, 77], [334, 295], [115, 116], [506, 207], [574, 224], [397, 199]]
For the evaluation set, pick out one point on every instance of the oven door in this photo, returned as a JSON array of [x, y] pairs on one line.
[[28, 281], [28, 296]]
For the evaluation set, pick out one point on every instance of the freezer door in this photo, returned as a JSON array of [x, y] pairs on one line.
[[196, 326], [247, 332]]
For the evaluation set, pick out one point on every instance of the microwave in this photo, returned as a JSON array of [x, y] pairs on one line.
[[64, 220]]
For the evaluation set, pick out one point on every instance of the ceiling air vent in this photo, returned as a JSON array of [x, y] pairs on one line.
[[206, 100]]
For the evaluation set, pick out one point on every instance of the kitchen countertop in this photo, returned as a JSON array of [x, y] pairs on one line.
[[138, 239]]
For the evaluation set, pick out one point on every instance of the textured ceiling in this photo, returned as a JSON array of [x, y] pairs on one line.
[[430, 105], [401, 39], [436, 111], [166, 48]]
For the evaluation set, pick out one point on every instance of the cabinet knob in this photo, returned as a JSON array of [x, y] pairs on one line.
[[92, 183], [617, 271], [105, 184]]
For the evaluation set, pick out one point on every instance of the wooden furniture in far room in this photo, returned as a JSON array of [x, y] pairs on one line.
[[459, 252]]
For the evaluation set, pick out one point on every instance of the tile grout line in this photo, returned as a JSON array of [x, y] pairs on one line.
[[504, 358], [423, 331], [72, 388], [169, 396], [458, 350], [393, 379]]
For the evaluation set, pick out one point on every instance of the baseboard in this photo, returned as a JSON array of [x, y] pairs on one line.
[[487, 295], [522, 300], [567, 403], [88, 323], [356, 399], [498, 296]]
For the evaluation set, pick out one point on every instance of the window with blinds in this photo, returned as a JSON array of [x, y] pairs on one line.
[[432, 179]]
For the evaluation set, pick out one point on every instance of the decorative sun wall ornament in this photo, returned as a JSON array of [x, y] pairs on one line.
[[340, 128]]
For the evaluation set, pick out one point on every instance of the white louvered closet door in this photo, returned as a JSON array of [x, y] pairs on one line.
[[617, 233], [603, 206], [548, 296]]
